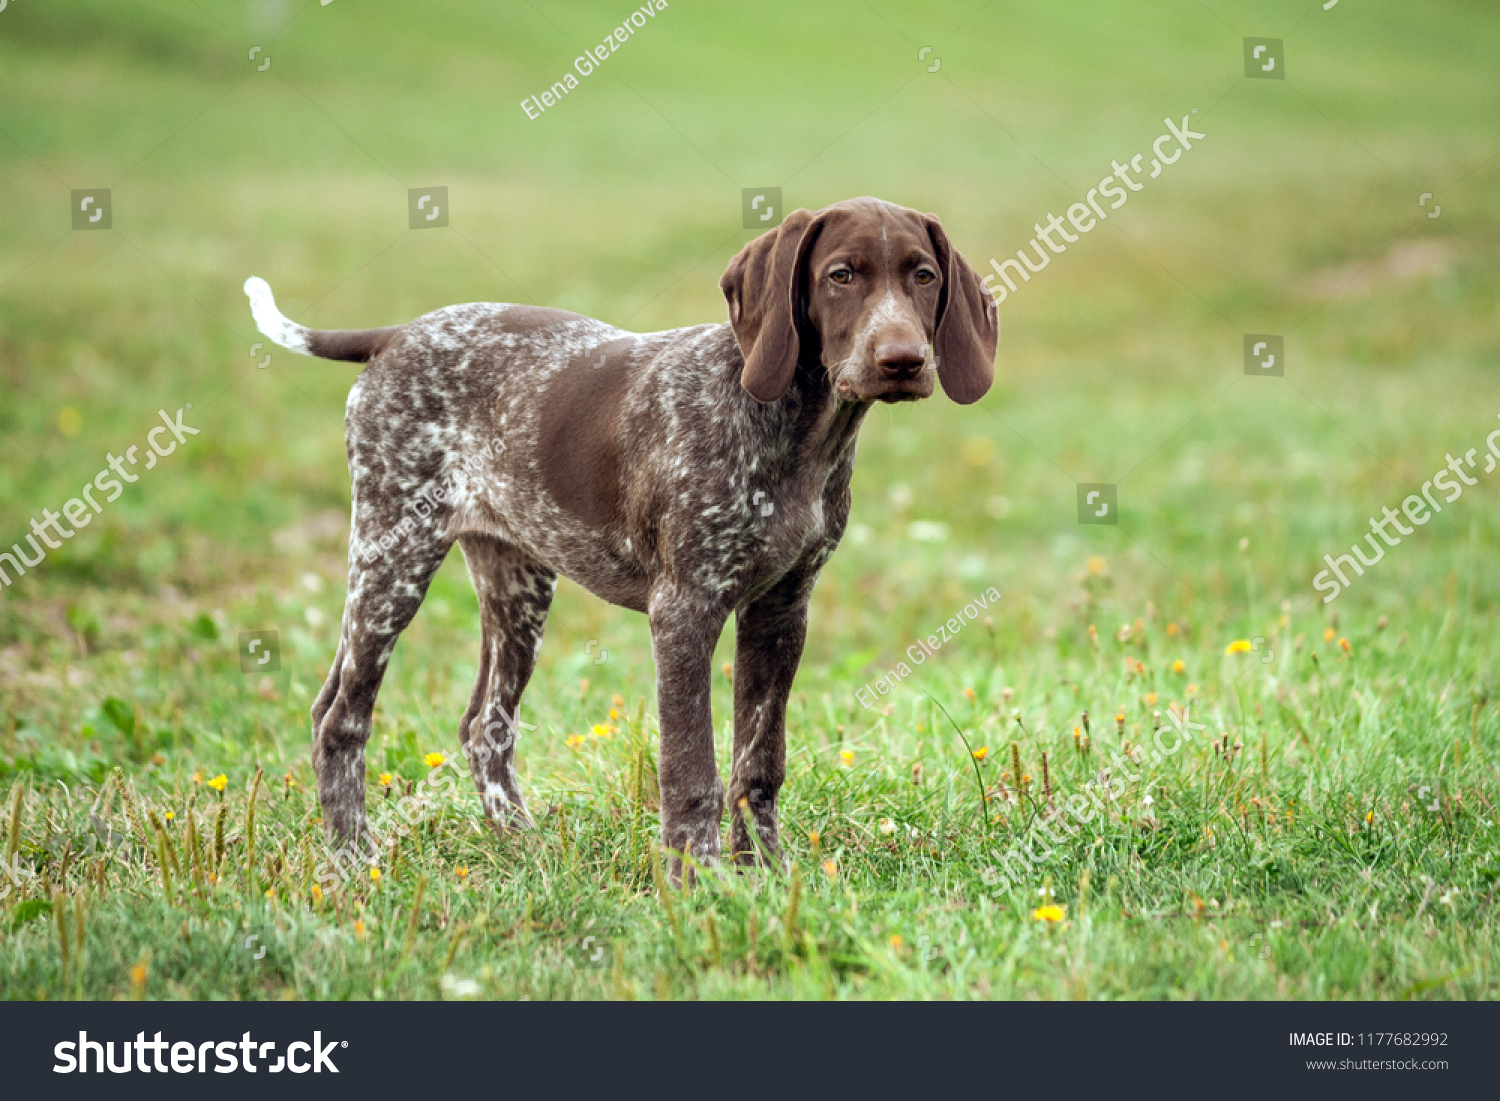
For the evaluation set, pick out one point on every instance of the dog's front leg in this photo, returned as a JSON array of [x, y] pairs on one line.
[[684, 630], [767, 649]]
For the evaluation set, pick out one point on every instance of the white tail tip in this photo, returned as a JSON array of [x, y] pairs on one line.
[[270, 321]]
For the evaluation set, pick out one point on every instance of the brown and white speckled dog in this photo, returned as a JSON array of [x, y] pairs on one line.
[[685, 474]]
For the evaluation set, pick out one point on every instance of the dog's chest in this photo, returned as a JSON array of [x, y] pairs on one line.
[[750, 536]]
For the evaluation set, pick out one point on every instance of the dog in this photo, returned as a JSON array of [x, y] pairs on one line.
[[685, 474]]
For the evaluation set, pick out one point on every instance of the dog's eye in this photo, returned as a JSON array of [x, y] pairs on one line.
[[841, 275], [925, 276]]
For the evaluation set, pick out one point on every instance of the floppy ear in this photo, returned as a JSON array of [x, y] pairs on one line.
[[764, 288], [968, 325]]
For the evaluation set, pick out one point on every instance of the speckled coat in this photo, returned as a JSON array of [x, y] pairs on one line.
[[686, 474]]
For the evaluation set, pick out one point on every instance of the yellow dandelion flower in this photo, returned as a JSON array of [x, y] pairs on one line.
[[896, 942], [271, 892], [461, 871], [1172, 629], [969, 694], [197, 777], [831, 869], [981, 753], [138, 976], [291, 783], [375, 874], [359, 927], [1150, 699], [574, 741], [602, 731], [171, 814], [847, 756], [317, 892], [1096, 565], [1239, 646], [432, 760], [614, 715], [219, 782], [617, 700], [1177, 666], [728, 670], [1370, 818], [1344, 645], [385, 779], [1048, 913], [1327, 634]]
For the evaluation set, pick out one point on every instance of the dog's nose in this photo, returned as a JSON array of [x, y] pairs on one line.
[[901, 359]]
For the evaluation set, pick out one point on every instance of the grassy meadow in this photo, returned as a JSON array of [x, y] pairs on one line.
[[1330, 832]]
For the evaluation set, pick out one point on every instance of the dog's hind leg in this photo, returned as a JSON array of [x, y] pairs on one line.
[[386, 587], [515, 592]]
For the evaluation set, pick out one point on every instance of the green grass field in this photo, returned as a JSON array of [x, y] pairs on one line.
[[1331, 830]]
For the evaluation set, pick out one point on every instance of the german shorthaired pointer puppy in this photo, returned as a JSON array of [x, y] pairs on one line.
[[687, 474]]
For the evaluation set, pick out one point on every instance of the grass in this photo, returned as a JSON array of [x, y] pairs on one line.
[[1330, 832]]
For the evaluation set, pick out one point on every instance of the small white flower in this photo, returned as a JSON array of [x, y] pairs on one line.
[[454, 988], [887, 827]]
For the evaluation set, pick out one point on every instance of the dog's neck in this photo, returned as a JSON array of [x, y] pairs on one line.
[[818, 428], [828, 425], [812, 430]]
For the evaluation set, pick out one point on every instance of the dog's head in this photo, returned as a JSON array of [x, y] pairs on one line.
[[869, 291]]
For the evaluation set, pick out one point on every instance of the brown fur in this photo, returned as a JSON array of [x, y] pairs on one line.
[[691, 475]]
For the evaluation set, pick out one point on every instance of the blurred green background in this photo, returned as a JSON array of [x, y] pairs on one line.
[[1297, 215]]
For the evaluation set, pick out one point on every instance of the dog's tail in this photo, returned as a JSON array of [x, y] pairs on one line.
[[354, 345]]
